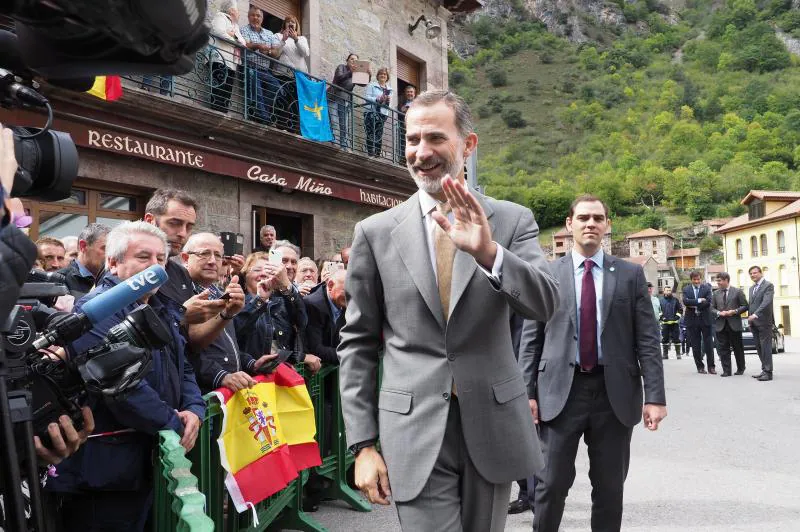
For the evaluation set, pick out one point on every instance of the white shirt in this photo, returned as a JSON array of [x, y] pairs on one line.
[[428, 204], [597, 275]]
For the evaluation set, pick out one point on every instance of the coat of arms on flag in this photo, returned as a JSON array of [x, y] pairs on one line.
[[312, 101], [267, 436]]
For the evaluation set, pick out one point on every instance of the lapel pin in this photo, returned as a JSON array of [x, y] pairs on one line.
[[611, 269]]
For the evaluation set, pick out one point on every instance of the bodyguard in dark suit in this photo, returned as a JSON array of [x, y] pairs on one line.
[[697, 300], [727, 305], [761, 320], [591, 360], [325, 308]]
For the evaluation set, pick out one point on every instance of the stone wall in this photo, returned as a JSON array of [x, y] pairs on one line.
[[225, 203]]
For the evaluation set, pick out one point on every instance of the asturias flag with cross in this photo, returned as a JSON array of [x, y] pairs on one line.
[[313, 105]]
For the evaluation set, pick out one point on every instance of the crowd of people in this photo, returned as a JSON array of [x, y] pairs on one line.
[[229, 318]]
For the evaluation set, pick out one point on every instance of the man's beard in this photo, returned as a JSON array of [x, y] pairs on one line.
[[430, 184]]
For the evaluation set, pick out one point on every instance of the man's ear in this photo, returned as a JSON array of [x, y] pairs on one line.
[[185, 258], [111, 265], [149, 218], [470, 143], [568, 224], [82, 245]]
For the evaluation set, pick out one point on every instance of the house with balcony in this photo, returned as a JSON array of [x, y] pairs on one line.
[[236, 143], [768, 235]]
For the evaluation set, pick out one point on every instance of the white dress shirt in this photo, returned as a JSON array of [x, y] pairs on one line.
[[597, 275], [428, 204]]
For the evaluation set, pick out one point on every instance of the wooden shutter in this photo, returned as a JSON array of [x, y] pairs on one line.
[[279, 8], [408, 70]]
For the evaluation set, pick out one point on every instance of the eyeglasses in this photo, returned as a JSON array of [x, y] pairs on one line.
[[206, 254]]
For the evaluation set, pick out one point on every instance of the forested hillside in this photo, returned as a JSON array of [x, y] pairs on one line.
[[674, 113]]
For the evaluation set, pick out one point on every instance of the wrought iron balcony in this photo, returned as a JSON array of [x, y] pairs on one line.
[[248, 85]]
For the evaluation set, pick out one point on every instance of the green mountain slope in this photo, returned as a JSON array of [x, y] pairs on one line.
[[661, 120]]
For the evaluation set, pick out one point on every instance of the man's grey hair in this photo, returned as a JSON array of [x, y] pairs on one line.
[[463, 115], [226, 5], [94, 232], [193, 241], [157, 206], [287, 244], [119, 239], [265, 229], [67, 240]]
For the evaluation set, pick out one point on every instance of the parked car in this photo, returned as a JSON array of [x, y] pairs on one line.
[[778, 345]]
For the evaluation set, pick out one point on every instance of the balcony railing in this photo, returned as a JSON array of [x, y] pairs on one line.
[[234, 81]]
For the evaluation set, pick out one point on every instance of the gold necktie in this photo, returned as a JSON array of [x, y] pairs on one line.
[[445, 253]]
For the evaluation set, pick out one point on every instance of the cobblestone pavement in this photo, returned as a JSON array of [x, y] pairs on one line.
[[727, 458]]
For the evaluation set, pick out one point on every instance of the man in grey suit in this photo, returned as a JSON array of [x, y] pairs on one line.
[[727, 305], [434, 281], [761, 320], [590, 361]]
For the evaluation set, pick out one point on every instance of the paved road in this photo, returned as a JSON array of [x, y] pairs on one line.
[[727, 458]]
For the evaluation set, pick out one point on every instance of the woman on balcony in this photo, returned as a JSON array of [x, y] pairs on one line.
[[225, 54], [379, 92], [343, 97], [295, 52]]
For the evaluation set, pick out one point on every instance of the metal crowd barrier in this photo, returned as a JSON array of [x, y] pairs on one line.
[[178, 505], [284, 510], [251, 86]]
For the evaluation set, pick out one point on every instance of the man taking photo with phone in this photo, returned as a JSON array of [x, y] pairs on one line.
[[221, 363]]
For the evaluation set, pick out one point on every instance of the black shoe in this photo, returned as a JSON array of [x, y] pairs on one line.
[[664, 358], [759, 375], [725, 374], [765, 377], [712, 371], [518, 506], [739, 372]]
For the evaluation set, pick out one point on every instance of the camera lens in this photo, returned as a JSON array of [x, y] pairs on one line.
[[48, 164]]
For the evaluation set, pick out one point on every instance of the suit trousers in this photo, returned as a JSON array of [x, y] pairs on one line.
[[456, 498], [728, 339], [762, 336], [701, 334], [587, 413]]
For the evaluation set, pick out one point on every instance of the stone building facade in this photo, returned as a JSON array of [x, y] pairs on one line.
[[245, 174]]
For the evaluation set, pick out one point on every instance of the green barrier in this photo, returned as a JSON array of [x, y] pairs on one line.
[[284, 510], [178, 505]]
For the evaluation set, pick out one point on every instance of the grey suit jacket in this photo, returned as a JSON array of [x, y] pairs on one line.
[[393, 301], [761, 303], [630, 344], [736, 301]]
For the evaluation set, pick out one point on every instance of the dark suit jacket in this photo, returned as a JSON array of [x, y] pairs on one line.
[[697, 313], [761, 303], [736, 301], [629, 343], [322, 335]]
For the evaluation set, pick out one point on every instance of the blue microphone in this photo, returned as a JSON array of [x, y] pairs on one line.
[[72, 326]]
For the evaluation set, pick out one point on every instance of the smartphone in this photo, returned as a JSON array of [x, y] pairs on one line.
[[275, 256], [215, 292], [232, 243]]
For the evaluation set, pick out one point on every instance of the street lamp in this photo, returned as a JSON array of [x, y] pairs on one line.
[[432, 28]]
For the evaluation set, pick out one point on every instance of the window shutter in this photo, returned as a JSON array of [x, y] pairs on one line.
[[279, 8], [408, 70]]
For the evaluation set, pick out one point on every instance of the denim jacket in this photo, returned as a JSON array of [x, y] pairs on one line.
[[281, 318]]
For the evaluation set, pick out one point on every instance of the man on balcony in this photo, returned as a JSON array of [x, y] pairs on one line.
[[262, 86]]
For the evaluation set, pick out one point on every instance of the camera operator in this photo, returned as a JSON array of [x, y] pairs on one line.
[[107, 484], [82, 272], [221, 363], [17, 254], [175, 213]]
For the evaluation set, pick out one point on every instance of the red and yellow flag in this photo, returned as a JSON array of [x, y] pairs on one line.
[[267, 436], [107, 88]]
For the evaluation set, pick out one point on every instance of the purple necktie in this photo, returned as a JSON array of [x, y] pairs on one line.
[[588, 319]]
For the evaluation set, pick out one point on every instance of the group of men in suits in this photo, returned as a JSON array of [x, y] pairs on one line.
[[725, 307], [432, 283]]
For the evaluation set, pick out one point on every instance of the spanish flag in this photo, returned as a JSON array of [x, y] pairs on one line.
[[107, 88], [267, 436]]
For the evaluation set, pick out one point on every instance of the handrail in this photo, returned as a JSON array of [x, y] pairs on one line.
[[231, 79]]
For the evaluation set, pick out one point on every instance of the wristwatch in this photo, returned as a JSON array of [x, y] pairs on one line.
[[356, 448]]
